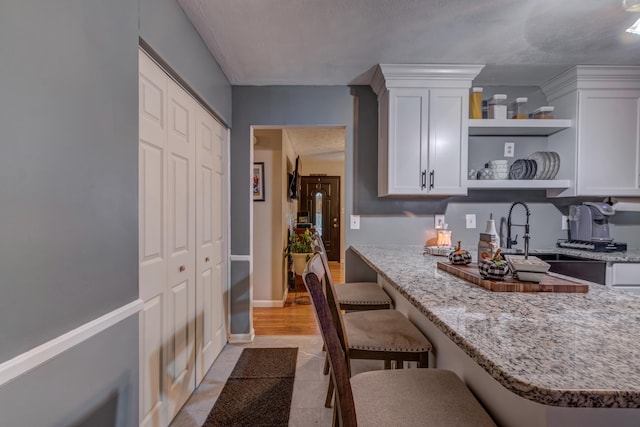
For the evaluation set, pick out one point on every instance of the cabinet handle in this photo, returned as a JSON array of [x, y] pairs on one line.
[[431, 174], [182, 268], [423, 184], [207, 259]]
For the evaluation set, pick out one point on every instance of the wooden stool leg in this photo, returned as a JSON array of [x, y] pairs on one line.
[[424, 360], [327, 400], [326, 364]]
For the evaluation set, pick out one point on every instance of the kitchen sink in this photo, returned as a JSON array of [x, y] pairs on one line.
[[579, 268]]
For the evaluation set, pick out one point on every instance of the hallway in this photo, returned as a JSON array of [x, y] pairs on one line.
[[296, 317]]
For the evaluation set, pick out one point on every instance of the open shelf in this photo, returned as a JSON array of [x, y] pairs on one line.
[[515, 184], [517, 127]]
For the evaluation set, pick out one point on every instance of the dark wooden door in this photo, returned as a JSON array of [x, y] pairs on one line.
[[320, 196]]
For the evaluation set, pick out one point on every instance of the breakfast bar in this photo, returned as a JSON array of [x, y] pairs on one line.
[[531, 358]]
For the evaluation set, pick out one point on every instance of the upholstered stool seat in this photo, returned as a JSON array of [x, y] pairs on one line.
[[383, 331], [357, 296], [415, 397]]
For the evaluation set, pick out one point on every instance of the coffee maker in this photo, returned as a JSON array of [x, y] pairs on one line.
[[589, 228], [590, 222]]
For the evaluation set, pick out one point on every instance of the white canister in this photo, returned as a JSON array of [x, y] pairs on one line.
[[498, 106]]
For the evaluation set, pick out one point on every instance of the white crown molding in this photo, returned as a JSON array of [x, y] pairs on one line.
[[387, 76], [39, 355], [605, 77]]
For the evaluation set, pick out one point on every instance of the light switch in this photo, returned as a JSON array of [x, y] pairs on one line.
[[470, 220], [355, 222]]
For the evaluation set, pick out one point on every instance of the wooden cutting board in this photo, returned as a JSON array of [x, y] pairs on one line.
[[549, 283]]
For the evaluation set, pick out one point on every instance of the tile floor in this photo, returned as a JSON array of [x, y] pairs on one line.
[[309, 389]]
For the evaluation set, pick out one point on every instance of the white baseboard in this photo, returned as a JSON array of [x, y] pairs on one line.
[[242, 338], [35, 357], [268, 303]]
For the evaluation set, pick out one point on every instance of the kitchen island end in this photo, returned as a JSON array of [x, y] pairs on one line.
[[532, 359]]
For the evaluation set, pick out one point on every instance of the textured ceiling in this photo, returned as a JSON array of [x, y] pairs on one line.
[[337, 42], [318, 143]]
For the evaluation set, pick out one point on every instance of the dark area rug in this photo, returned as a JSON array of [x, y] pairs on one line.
[[258, 391]]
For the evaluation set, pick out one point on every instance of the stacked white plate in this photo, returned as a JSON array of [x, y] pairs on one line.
[[500, 169], [548, 164]]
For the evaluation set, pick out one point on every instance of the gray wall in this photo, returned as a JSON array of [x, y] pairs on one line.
[[68, 195], [278, 106], [94, 384], [166, 29], [68, 166]]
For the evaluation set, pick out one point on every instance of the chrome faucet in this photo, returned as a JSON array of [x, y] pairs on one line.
[[526, 229]]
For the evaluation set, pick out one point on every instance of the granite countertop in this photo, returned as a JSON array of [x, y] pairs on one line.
[[631, 255], [574, 350]]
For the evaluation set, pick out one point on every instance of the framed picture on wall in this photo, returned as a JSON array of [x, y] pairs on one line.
[[257, 182]]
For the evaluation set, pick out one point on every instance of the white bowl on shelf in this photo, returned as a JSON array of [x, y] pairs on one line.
[[500, 175]]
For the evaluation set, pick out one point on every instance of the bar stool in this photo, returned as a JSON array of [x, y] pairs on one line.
[[391, 397], [385, 335], [356, 296]]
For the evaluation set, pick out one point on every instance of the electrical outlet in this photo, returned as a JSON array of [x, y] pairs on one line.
[[470, 220], [509, 149], [565, 222], [355, 222], [439, 221]]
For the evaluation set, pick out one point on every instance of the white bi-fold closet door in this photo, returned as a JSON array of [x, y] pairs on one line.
[[183, 200]]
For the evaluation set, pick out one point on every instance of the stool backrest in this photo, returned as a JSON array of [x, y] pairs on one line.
[[330, 293], [312, 278]]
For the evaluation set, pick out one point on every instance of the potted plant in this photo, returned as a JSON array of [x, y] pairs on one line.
[[300, 250]]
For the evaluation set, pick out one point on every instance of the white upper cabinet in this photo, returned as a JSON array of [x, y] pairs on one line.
[[608, 143], [602, 151], [422, 128]]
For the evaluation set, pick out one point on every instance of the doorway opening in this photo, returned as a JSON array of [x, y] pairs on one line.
[[320, 151]]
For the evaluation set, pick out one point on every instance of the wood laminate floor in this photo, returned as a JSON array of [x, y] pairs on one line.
[[296, 317]]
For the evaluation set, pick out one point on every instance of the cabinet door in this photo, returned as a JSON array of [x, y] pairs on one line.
[[608, 143], [407, 141], [447, 132]]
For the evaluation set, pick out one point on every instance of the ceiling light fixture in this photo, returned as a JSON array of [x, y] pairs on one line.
[[631, 5], [635, 28]]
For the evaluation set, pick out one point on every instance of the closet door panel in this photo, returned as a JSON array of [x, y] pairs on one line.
[[207, 139], [152, 240], [181, 247], [220, 230]]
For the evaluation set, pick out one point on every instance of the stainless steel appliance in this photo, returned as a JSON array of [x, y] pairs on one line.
[[589, 228]]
